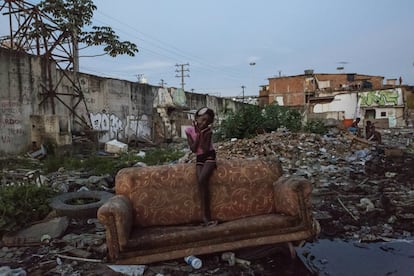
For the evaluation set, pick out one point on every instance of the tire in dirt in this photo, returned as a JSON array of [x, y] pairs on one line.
[[88, 210]]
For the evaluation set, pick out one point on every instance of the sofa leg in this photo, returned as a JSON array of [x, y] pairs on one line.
[[292, 250]]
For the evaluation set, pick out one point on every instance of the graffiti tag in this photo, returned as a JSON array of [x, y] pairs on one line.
[[108, 123], [382, 97]]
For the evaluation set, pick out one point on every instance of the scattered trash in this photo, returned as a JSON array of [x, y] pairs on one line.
[[367, 204], [130, 270], [7, 271], [39, 153], [373, 186], [45, 238], [242, 262], [79, 259], [140, 164], [229, 257], [141, 154], [115, 146], [195, 262], [390, 174]]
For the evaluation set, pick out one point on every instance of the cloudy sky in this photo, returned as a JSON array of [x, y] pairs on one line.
[[222, 39]]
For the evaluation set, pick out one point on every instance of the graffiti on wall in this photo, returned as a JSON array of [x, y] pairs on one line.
[[139, 127], [11, 124], [381, 97], [110, 125]]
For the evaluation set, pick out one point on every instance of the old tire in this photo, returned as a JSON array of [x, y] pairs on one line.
[[88, 210]]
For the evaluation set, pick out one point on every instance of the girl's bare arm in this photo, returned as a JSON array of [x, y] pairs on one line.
[[205, 139], [193, 144]]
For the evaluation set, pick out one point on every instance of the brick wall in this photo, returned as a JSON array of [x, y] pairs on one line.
[[293, 88]]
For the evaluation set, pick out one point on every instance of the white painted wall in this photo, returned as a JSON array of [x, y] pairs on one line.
[[346, 103]]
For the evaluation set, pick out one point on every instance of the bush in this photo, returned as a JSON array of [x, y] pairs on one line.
[[246, 122], [315, 126], [276, 116], [21, 205], [242, 124]]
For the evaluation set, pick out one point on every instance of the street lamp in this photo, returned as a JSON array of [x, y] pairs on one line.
[[251, 74]]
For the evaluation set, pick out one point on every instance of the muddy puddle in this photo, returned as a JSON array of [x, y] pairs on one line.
[[339, 257]]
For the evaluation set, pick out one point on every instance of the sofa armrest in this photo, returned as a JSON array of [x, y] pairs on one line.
[[292, 196], [116, 216]]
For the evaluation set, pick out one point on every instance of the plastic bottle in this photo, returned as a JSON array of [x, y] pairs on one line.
[[195, 262]]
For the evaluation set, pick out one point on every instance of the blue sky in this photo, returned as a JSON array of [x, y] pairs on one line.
[[220, 38]]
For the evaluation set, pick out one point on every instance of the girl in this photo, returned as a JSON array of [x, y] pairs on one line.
[[199, 139]]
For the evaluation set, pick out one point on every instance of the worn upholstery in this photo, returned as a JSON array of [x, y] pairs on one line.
[[168, 194], [286, 194], [156, 213]]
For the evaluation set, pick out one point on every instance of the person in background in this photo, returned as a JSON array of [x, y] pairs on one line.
[[354, 129], [199, 138], [371, 134]]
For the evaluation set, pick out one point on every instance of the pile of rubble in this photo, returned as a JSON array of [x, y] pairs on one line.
[[361, 191]]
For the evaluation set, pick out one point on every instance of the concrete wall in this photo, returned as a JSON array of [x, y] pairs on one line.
[[19, 88], [346, 104], [385, 107], [107, 108]]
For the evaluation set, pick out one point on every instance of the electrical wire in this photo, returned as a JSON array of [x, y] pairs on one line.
[[169, 49]]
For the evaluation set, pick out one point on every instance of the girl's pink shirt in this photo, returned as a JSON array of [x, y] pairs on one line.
[[193, 134]]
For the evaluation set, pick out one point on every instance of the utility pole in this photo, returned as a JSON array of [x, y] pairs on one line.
[[162, 82], [181, 69], [243, 87]]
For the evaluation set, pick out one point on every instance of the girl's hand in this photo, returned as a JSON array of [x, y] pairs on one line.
[[195, 125], [206, 130]]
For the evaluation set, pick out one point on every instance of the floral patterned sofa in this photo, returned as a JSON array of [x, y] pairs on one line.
[[155, 214]]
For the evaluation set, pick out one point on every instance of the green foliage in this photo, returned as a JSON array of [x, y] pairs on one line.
[[106, 36], [22, 204], [73, 16], [315, 126], [101, 165], [242, 124], [159, 156], [70, 15], [276, 116], [249, 120]]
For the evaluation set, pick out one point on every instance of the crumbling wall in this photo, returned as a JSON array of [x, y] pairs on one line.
[[112, 108], [18, 75]]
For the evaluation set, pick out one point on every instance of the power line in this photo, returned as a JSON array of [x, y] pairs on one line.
[[182, 68], [172, 50]]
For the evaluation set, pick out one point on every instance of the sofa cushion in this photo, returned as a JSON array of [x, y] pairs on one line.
[[168, 194], [174, 237]]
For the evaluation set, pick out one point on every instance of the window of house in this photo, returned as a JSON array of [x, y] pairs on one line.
[[370, 114], [383, 114]]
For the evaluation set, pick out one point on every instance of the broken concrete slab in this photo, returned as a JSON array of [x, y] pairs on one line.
[[115, 146], [33, 234]]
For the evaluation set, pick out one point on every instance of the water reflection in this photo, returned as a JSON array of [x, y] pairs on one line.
[[338, 257]]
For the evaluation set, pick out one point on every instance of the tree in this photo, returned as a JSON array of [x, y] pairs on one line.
[[72, 17]]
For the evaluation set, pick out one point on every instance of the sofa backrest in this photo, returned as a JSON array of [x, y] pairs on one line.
[[168, 194]]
